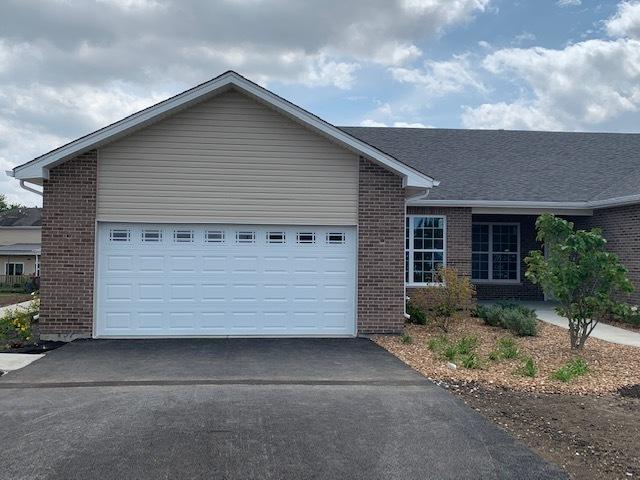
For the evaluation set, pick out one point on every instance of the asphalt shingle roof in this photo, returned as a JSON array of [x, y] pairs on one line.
[[21, 217], [502, 165]]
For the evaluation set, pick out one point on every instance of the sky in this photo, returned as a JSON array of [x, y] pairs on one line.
[[68, 67]]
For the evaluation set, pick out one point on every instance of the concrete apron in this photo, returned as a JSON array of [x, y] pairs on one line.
[[15, 361]]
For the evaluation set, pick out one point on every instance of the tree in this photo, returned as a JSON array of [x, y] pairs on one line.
[[578, 273], [7, 206]]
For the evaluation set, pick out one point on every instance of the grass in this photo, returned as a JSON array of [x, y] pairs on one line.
[[450, 352], [528, 368], [467, 344], [570, 370], [437, 344], [406, 339], [506, 348], [471, 361]]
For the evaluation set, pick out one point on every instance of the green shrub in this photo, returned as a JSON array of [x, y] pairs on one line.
[[508, 304], [466, 344], [507, 348], [437, 344], [493, 316], [406, 339], [625, 313], [417, 315], [450, 352], [528, 368], [574, 368], [494, 355], [480, 311], [522, 322], [17, 323], [471, 361]]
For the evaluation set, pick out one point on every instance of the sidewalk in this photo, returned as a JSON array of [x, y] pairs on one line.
[[546, 312]]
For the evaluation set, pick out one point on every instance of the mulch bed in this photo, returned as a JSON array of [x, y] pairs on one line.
[[611, 366], [590, 437]]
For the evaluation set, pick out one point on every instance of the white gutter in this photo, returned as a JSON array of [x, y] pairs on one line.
[[591, 204], [23, 183]]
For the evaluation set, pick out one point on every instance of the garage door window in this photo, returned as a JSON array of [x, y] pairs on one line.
[[214, 236], [334, 238], [183, 236], [276, 237], [152, 235], [306, 237], [245, 237], [119, 235]]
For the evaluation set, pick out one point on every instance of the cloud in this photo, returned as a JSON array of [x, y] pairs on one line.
[[583, 85], [70, 66], [569, 3], [626, 21], [367, 122], [441, 78]]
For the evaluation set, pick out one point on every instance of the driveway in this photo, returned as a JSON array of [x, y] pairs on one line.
[[244, 408]]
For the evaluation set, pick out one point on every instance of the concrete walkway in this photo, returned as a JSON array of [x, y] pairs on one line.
[[546, 312]]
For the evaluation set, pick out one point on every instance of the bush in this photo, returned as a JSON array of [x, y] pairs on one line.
[[574, 368], [466, 344], [471, 361], [528, 368], [479, 311], [406, 339], [417, 315], [16, 324], [625, 313], [450, 352], [455, 294], [519, 319], [520, 322]]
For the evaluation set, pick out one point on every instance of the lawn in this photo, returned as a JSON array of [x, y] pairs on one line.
[[583, 423], [11, 298]]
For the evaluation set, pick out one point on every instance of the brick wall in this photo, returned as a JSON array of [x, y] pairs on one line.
[[621, 227], [68, 237], [381, 207]]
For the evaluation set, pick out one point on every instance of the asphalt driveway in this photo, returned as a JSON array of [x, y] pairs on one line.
[[250, 409]]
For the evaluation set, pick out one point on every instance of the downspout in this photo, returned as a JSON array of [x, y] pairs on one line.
[[29, 189]]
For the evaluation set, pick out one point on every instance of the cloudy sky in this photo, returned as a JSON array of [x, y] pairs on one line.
[[68, 67]]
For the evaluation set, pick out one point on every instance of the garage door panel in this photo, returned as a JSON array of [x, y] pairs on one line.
[[249, 280]]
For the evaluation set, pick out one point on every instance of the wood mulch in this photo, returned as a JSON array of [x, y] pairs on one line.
[[611, 366]]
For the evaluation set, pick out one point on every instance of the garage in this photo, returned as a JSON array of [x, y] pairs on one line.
[[225, 280]]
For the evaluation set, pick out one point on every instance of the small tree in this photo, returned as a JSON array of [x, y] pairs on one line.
[[454, 295], [578, 273]]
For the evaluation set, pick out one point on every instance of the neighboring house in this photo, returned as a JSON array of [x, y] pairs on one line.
[[20, 232], [227, 210]]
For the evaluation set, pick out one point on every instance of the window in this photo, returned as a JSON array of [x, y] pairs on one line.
[[183, 236], [14, 268], [245, 237], [306, 237], [424, 248], [119, 234], [214, 236], [275, 237], [334, 238], [151, 235], [495, 252]]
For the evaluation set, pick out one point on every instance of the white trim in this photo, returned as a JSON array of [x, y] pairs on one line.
[[584, 212], [411, 250], [38, 168], [14, 269], [490, 253], [571, 206]]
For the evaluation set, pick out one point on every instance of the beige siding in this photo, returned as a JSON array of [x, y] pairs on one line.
[[232, 160], [9, 236], [29, 263]]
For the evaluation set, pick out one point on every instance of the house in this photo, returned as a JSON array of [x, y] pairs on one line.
[[20, 231], [229, 211]]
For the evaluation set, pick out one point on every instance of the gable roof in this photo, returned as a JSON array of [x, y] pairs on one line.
[[478, 167], [38, 168], [21, 217]]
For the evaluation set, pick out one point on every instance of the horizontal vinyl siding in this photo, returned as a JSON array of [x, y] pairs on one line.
[[9, 236], [227, 160]]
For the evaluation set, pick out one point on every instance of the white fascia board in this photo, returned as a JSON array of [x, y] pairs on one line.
[[587, 205], [38, 168]]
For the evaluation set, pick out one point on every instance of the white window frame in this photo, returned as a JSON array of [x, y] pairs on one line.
[[271, 237], [6, 266], [209, 236], [114, 239], [144, 239], [177, 236], [490, 253], [410, 250], [245, 241], [330, 241], [300, 235]]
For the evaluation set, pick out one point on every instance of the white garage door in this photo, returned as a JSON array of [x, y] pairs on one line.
[[183, 280]]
